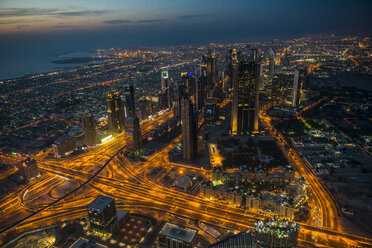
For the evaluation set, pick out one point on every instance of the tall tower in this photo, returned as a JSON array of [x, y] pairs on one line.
[[164, 80], [165, 87], [271, 63], [295, 88], [188, 129], [246, 80], [89, 125], [130, 109], [115, 111], [209, 69]]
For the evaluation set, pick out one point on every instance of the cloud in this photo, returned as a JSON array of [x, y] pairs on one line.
[[80, 13], [15, 12], [22, 26], [64, 26], [191, 16], [21, 12], [117, 21], [148, 21]]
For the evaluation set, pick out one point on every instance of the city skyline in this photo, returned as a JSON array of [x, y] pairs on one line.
[[194, 124]]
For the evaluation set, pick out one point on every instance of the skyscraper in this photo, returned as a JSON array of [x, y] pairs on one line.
[[295, 88], [271, 63], [89, 125], [102, 215], [164, 80], [165, 87], [208, 73], [130, 109], [133, 128], [211, 111], [232, 59], [188, 129], [189, 83], [179, 92], [115, 110], [244, 116]]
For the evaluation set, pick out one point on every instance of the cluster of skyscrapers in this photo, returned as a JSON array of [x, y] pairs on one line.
[[121, 118]]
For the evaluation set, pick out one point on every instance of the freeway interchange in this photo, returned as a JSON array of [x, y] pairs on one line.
[[105, 170]]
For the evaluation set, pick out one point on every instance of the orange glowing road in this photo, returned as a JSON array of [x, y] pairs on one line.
[[127, 182]]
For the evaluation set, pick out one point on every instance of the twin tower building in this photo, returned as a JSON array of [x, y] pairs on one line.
[[121, 118]]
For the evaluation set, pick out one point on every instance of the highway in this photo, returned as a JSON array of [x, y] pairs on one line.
[[105, 170]]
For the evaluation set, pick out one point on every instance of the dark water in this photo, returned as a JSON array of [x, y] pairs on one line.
[[32, 52]]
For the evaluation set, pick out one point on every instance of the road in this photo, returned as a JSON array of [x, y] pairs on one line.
[[105, 170]]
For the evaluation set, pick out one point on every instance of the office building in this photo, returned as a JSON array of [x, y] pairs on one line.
[[208, 73], [295, 89], [240, 240], [188, 123], [176, 236], [115, 111], [130, 109], [102, 215], [252, 55], [64, 146], [179, 92], [189, 83], [89, 126], [232, 61], [211, 112], [164, 80], [133, 128], [271, 63], [276, 233], [28, 169], [166, 89], [246, 80]]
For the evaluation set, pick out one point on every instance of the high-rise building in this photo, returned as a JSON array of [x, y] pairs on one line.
[[133, 128], [102, 215], [246, 80], [164, 80], [208, 73], [252, 55], [276, 233], [179, 92], [271, 63], [280, 84], [115, 110], [176, 236], [28, 169], [188, 129], [166, 88], [232, 59], [295, 88], [130, 109], [89, 125], [240, 240], [211, 111], [189, 83]]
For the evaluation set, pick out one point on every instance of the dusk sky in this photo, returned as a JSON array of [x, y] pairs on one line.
[[207, 18]]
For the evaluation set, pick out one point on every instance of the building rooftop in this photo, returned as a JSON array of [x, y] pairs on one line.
[[85, 243], [178, 232], [100, 203]]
